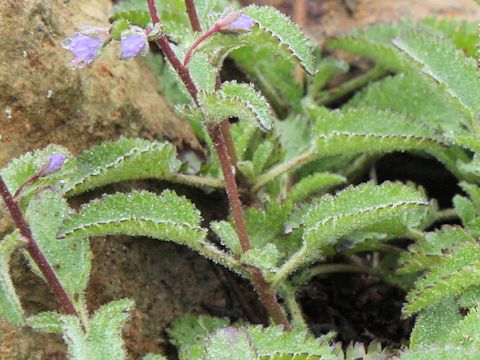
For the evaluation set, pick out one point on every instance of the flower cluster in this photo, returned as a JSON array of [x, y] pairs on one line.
[[87, 44]]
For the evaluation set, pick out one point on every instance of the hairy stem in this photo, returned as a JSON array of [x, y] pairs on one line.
[[446, 215], [281, 169], [288, 293], [35, 252], [188, 56], [193, 15], [201, 181], [266, 293], [289, 266]]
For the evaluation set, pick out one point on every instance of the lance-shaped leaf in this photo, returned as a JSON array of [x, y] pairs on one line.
[[286, 32], [439, 59], [448, 278], [140, 213], [374, 43], [357, 208], [10, 306], [312, 184], [370, 131], [70, 258], [125, 159], [47, 321], [411, 95], [236, 100]]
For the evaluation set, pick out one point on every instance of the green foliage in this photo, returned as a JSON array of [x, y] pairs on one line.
[[100, 341], [226, 232], [70, 258], [312, 184], [10, 306], [287, 33], [140, 213], [124, 159], [236, 100], [357, 208]]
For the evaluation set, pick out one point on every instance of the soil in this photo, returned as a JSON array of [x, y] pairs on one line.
[[42, 101]]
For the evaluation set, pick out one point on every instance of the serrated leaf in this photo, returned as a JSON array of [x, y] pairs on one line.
[[439, 59], [203, 74], [189, 332], [359, 207], [370, 131], [312, 184], [230, 343], [135, 11], [70, 258], [265, 258], [140, 213], [104, 333], [237, 100], [124, 159], [47, 321], [433, 325], [228, 236], [463, 33], [411, 95], [454, 274], [374, 43], [286, 32], [10, 306], [242, 134], [262, 154]]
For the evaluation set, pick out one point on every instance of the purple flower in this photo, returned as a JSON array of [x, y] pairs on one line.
[[55, 163], [242, 23], [83, 47], [133, 42]]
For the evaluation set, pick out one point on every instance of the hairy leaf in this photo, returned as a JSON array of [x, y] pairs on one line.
[[314, 183], [10, 306], [439, 59], [236, 100], [140, 213], [47, 321], [411, 95], [359, 207], [70, 258], [226, 232], [124, 159], [286, 32]]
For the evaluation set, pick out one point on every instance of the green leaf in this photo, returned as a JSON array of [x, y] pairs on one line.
[[47, 321], [203, 74], [265, 258], [236, 100], [10, 306], [370, 131], [104, 333], [463, 33], [76, 339], [449, 278], [189, 332], [154, 357], [70, 258], [357, 208], [411, 95], [287, 33], [19, 170], [440, 60], [230, 343], [135, 11], [434, 325], [124, 159], [327, 69], [140, 213], [374, 43], [228, 236], [261, 156], [312, 184]]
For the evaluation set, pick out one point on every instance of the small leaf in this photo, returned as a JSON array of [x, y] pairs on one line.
[[225, 231], [312, 184], [154, 357], [70, 258], [358, 207], [140, 213], [10, 306], [286, 32], [125, 159], [444, 63], [433, 325], [47, 321], [104, 333], [237, 100], [203, 74], [265, 258]]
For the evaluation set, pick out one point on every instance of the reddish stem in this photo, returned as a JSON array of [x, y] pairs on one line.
[[35, 251], [193, 16], [267, 295], [188, 56]]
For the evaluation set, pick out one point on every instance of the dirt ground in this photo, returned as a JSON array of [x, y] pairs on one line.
[[114, 98]]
